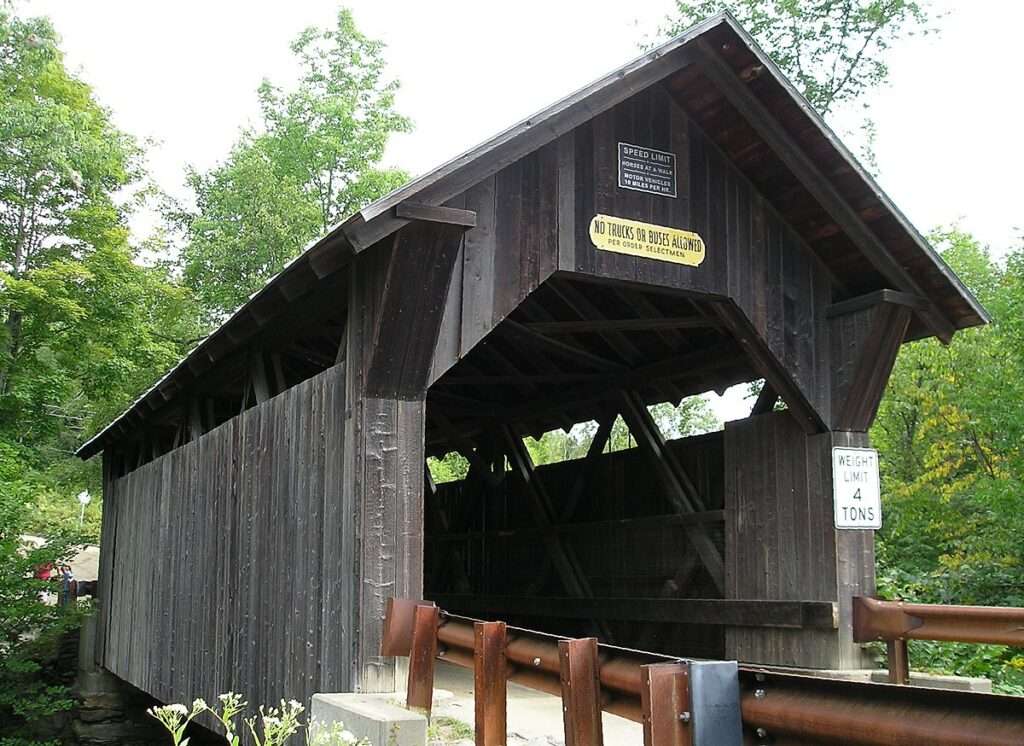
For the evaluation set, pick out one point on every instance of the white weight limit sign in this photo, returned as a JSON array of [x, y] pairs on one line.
[[855, 488]]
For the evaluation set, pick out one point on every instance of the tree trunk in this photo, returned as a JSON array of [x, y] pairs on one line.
[[9, 350]]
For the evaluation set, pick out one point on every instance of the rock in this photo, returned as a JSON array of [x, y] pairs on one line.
[[98, 715], [122, 733], [96, 682], [107, 701]]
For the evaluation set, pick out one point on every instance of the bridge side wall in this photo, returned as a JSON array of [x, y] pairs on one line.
[[781, 542], [215, 556]]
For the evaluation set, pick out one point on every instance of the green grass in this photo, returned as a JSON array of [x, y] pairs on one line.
[[448, 730]]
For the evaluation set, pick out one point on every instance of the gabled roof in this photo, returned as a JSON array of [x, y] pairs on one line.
[[730, 87]]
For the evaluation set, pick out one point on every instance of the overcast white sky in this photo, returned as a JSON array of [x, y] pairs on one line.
[[185, 74]]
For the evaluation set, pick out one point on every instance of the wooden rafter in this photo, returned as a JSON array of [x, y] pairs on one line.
[[588, 313], [803, 168], [558, 347]]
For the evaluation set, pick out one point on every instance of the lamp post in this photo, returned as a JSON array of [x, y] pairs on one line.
[[84, 498]]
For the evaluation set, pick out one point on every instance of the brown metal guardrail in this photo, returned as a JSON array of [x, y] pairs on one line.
[[777, 707], [896, 622]]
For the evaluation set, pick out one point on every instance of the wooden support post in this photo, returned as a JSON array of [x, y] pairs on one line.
[[280, 382], [489, 683], [260, 384], [665, 704], [899, 661], [420, 689], [581, 692], [865, 345], [195, 419]]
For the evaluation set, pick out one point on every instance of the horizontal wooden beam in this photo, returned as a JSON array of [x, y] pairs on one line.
[[436, 214], [644, 522], [713, 611], [620, 325], [870, 300], [524, 378]]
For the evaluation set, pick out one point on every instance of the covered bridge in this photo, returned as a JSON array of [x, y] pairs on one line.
[[682, 225]]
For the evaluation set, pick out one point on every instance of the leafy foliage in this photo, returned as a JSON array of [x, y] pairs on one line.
[[313, 163], [950, 435], [30, 628], [84, 325], [833, 50]]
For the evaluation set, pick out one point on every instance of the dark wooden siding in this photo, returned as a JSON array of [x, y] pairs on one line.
[[753, 256], [224, 563], [534, 216], [780, 539]]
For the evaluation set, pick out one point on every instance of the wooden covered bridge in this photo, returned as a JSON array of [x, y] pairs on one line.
[[685, 224]]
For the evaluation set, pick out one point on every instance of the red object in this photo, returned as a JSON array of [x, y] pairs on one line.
[[44, 571]]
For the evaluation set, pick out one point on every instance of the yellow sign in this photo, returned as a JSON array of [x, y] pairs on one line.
[[644, 239]]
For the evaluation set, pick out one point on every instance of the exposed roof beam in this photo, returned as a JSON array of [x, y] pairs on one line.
[[870, 300], [820, 187], [589, 312], [436, 214], [556, 347]]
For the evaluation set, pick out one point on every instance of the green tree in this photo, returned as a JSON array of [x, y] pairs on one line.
[[833, 50], [313, 162], [84, 326], [30, 627], [60, 162], [950, 432]]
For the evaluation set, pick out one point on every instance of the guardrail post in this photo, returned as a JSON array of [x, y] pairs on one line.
[[581, 692], [489, 683], [899, 661], [420, 689], [665, 703]]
